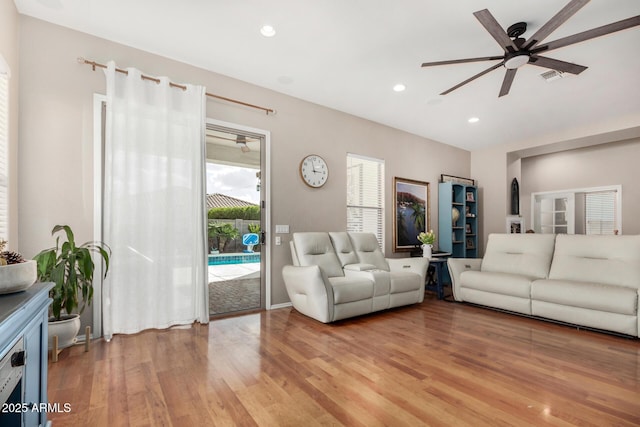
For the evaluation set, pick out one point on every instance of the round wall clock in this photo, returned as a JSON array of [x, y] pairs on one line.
[[314, 171]]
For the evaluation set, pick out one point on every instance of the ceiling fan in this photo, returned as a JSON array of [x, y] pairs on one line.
[[241, 141], [519, 52]]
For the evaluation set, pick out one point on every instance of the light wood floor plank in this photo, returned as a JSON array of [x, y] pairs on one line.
[[436, 363]]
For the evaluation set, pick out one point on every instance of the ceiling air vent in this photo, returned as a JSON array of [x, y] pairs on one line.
[[552, 75]]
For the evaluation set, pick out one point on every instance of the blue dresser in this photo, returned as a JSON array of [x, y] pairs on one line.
[[23, 356]]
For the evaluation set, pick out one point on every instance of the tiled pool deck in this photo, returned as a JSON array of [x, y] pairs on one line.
[[218, 273]]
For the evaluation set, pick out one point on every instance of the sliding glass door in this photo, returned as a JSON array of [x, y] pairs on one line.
[[236, 205]]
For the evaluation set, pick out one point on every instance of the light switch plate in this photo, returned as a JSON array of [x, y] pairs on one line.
[[283, 229]]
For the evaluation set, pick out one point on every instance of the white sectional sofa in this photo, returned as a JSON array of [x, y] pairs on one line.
[[591, 281], [337, 275]]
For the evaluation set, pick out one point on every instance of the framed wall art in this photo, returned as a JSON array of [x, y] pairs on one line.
[[515, 224], [411, 213]]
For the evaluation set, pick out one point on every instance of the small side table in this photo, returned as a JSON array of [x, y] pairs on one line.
[[435, 279]]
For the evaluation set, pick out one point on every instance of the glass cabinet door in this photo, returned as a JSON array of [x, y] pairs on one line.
[[554, 214]]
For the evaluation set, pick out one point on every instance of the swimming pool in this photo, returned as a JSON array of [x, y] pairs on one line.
[[233, 258]]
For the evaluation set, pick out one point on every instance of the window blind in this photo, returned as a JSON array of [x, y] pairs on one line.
[[365, 195], [601, 212], [4, 156]]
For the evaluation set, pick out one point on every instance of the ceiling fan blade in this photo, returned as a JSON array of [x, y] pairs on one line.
[[560, 18], [462, 61], [473, 78], [589, 34], [497, 32], [506, 83], [555, 64]]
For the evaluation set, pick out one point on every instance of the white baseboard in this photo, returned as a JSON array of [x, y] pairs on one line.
[[283, 305]]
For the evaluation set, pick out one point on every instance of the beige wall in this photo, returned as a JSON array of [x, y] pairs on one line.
[[495, 167], [55, 165], [601, 165], [9, 27]]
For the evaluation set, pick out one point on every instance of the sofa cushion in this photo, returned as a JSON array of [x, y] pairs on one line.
[[381, 279], [359, 267], [349, 289], [594, 296], [343, 248], [368, 250], [519, 254], [499, 283], [609, 260], [315, 248], [405, 281]]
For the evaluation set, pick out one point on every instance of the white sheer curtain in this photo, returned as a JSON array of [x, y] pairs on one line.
[[154, 214]]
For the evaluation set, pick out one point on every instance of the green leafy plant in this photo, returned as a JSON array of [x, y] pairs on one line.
[[222, 233], [245, 212], [254, 228], [427, 238], [71, 268]]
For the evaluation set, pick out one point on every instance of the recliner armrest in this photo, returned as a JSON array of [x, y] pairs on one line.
[[416, 265], [456, 267], [309, 291]]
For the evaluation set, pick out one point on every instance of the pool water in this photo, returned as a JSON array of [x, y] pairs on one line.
[[235, 258]]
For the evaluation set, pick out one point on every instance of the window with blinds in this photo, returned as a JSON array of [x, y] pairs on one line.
[[601, 211], [365, 195], [4, 156], [593, 210]]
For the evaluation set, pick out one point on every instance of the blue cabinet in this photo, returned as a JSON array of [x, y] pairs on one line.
[[460, 203], [23, 316]]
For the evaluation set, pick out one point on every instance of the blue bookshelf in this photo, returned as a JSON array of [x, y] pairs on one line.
[[459, 237]]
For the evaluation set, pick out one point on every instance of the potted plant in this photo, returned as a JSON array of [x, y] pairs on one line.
[[16, 273], [71, 268]]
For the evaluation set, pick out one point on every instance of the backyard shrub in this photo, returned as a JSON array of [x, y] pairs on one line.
[[245, 212]]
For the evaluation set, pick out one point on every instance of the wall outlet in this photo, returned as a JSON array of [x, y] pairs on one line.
[[278, 240]]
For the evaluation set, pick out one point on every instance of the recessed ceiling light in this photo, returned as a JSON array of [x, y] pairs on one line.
[[268, 31], [399, 87], [473, 120]]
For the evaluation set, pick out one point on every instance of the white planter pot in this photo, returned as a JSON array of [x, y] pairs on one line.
[[17, 277], [426, 251], [66, 330]]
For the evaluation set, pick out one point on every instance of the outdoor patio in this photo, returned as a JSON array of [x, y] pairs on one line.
[[234, 287]]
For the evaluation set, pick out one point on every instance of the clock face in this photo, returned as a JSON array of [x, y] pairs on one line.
[[314, 171]]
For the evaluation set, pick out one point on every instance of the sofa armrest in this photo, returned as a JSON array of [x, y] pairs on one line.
[[456, 267], [309, 291], [359, 267], [416, 265]]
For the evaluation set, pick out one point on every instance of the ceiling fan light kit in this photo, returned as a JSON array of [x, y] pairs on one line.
[[519, 51], [516, 60]]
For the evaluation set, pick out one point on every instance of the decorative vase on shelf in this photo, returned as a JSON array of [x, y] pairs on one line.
[[426, 251], [455, 214]]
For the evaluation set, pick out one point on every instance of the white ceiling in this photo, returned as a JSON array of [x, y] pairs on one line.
[[348, 54]]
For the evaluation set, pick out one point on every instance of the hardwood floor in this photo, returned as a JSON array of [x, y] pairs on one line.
[[437, 363]]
